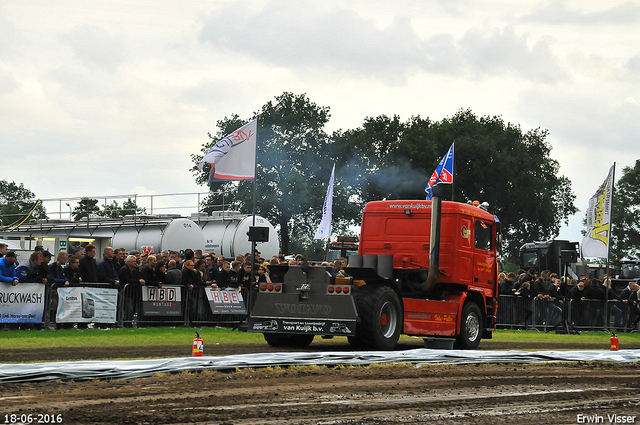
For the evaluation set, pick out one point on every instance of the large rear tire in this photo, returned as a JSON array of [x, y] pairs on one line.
[[470, 327], [380, 313]]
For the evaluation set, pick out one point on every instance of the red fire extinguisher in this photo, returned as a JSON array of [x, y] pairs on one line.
[[198, 346], [614, 342]]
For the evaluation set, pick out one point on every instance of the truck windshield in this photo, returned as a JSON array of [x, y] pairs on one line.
[[530, 260]]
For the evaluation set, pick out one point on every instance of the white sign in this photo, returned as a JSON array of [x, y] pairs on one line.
[[23, 303], [84, 305]]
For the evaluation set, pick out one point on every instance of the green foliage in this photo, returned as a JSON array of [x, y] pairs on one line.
[[16, 203], [182, 336], [294, 162], [88, 206], [495, 162], [625, 238], [124, 337], [85, 207]]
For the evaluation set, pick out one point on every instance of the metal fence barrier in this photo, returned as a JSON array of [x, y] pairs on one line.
[[199, 312], [544, 314], [193, 309], [134, 309]]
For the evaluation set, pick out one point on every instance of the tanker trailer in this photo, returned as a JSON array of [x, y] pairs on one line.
[[225, 233], [157, 235]]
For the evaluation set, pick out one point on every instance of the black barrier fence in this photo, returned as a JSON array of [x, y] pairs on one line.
[[203, 311], [138, 305], [545, 314]]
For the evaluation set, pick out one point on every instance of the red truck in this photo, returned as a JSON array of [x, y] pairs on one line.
[[412, 275]]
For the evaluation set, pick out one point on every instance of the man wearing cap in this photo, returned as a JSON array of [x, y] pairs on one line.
[[44, 266], [8, 268]]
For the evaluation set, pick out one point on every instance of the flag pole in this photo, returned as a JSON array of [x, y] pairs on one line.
[[253, 242], [453, 172]]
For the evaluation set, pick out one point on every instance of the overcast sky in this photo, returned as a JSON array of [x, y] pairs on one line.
[[112, 97]]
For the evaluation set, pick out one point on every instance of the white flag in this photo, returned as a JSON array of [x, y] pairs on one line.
[[324, 229], [596, 242], [234, 157]]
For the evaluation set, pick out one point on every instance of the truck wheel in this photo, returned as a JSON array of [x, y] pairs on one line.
[[275, 340], [470, 327], [380, 315], [300, 341], [356, 343], [285, 340]]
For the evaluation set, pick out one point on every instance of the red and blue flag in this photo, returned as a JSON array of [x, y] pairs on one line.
[[442, 174]]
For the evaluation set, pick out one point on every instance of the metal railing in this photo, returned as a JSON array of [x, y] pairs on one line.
[[545, 314]]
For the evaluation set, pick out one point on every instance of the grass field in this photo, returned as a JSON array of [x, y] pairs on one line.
[[126, 337]]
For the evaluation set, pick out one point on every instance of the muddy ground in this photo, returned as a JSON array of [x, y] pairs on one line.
[[470, 394]]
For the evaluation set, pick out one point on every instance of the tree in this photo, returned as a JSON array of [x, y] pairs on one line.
[[294, 162], [18, 204], [494, 162], [130, 207], [85, 207], [625, 236], [113, 210]]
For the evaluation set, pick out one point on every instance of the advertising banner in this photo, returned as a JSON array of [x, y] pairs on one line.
[[596, 241], [226, 301], [87, 305], [165, 301], [23, 303]]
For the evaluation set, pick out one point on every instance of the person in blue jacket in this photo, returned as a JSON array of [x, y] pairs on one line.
[[8, 268]]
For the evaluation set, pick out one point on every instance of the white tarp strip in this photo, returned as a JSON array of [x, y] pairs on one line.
[[128, 369]]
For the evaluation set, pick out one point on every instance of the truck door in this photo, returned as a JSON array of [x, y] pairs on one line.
[[484, 257]]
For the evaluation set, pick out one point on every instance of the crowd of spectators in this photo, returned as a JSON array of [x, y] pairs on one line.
[[191, 268], [589, 296]]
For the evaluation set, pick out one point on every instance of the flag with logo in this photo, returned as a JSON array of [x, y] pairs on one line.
[[324, 229], [442, 174], [596, 241], [233, 157]]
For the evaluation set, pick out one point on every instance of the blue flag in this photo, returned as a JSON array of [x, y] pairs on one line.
[[442, 174]]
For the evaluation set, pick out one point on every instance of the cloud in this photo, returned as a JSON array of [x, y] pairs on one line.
[[298, 36], [556, 12], [212, 92], [8, 84], [495, 52], [96, 48], [633, 64]]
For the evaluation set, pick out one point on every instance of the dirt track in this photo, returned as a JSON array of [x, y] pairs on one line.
[[483, 394]]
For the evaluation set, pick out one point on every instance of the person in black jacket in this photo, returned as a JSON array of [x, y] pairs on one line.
[[634, 306], [106, 270], [88, 267], [192, 280], [148, 272], [56, 270], [130, 279], [72, 271], [223, 279], [526, 297], [506, 287]]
